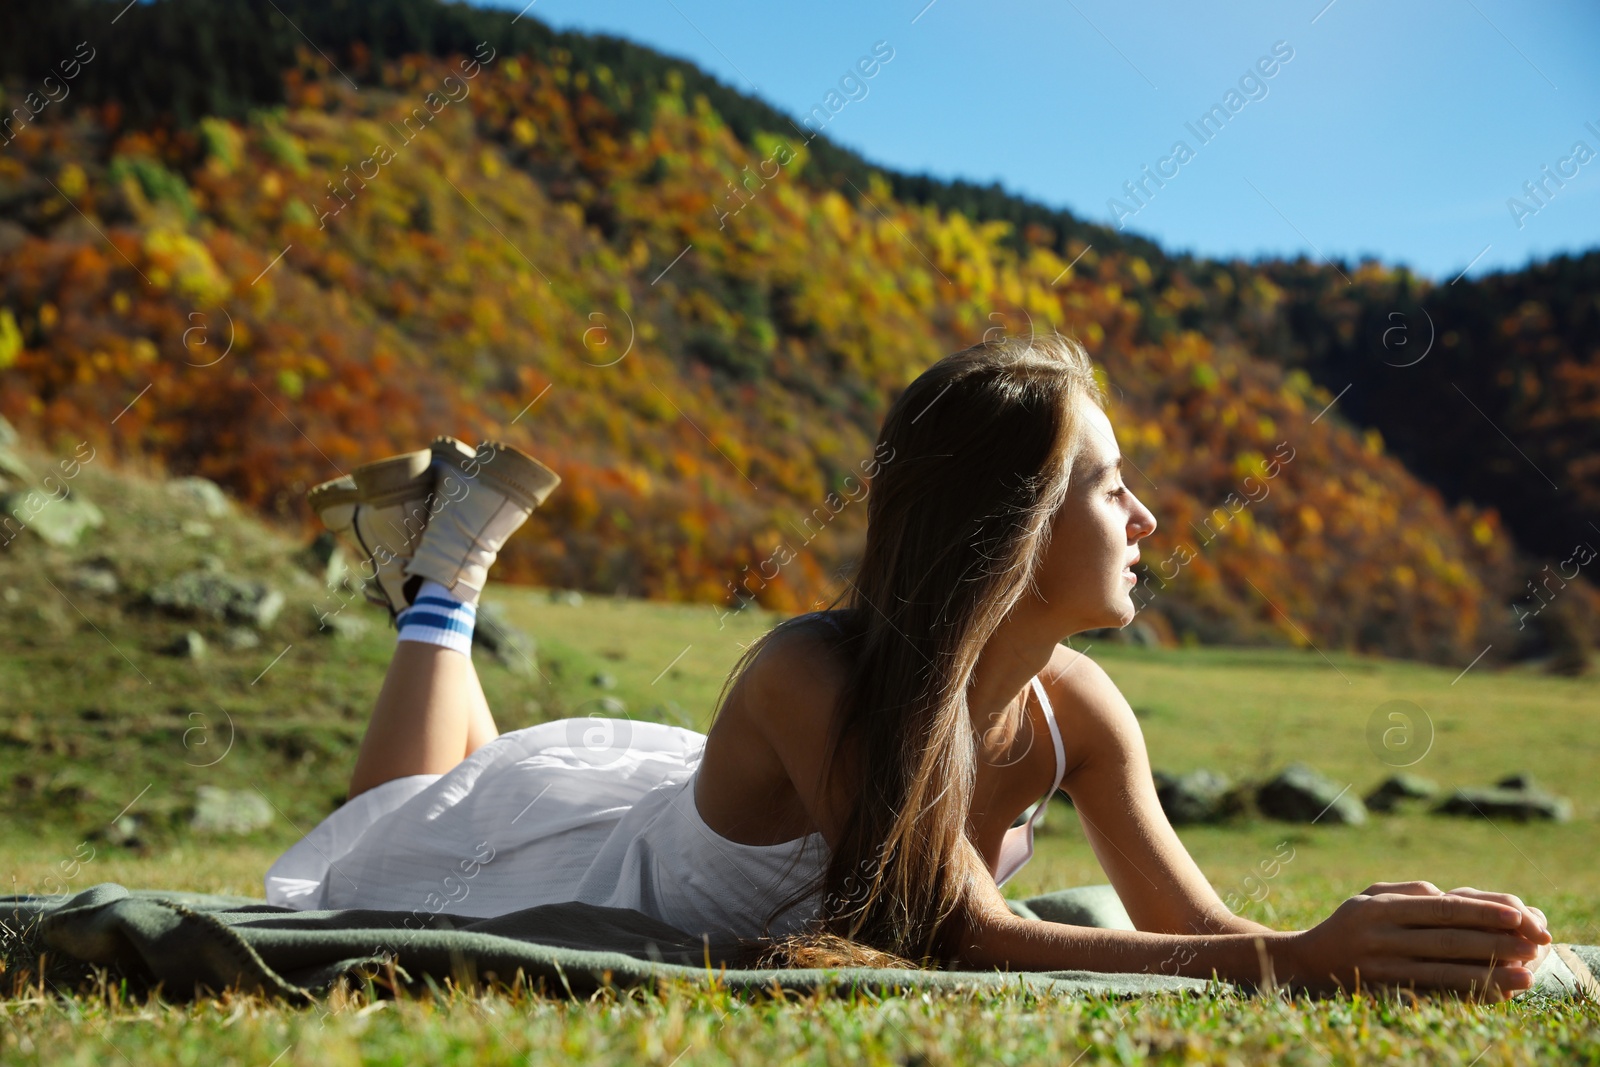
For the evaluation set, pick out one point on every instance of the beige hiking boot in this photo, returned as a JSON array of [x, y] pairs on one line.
[[484, 499], [383, 508], [335, 503]]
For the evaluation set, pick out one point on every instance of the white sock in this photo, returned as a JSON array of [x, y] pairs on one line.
[[439, 618]]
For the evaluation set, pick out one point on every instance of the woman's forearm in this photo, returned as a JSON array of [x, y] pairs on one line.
[[1015, 943]]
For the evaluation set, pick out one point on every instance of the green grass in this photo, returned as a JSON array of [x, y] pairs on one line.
[[96, 722]]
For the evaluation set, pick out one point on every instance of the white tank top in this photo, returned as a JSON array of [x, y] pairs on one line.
[[1016, 848]]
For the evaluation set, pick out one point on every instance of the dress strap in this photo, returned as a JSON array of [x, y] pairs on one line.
[[1055, 738]]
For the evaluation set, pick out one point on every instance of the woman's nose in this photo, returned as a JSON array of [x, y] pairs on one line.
[[1144, 522]]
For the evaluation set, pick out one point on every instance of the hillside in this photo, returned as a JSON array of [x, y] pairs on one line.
[[699, 332]]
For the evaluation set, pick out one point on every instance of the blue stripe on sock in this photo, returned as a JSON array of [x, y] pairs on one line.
[[446, 603], [411, 617]]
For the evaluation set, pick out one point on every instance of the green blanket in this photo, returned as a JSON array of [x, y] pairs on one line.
[[187, 943]]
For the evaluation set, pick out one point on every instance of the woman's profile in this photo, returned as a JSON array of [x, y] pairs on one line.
[[857, 799]]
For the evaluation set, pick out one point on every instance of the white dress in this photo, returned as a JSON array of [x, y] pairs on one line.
[[599, 810]]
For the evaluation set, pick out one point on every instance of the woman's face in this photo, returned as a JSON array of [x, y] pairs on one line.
[[1085, 581]]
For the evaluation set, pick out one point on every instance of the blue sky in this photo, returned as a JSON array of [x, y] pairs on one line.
[[1395, 130]]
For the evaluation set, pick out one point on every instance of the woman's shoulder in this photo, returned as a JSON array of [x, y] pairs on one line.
[[1074, 679], [1088, 705], [815, 641], [802, 665]]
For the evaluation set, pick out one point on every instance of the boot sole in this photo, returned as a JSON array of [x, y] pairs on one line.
[[451, 452], [337, 493], [516, 475], [387, 482]]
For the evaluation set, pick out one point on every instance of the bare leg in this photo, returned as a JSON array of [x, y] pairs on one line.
[[480, 728], [428, 715]]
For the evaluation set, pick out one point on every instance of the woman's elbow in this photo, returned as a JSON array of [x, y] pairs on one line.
[[978, 942]]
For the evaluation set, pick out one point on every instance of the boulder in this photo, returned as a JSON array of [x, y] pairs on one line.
[[325, 558], [229, 811], [1140, 633], [98, 577], [1300, 794], [214, 594], [14, 470], [1516, 796], [1196, 797], [341, 625], [1394, 790], [202, 493], [241, 638], [189, 645], [124, 832], [59, 520], [510, 647]]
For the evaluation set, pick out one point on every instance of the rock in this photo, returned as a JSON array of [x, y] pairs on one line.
[[210, 594], [1520, 804], [1141, 634], [241, 638], [324, 557], [227, 811], [1396, 788], [189, 645], [1300, 794], [1196, 797], [124, 832], [96, 577], [604, 681], [1511, 803], [59, 520], [341, 625], [510, 647], [203, 493], [14, 471]]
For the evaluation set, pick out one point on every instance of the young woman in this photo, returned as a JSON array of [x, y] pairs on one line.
[[857, 799]]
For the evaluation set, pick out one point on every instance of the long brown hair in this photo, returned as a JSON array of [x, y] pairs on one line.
[[975, 456]]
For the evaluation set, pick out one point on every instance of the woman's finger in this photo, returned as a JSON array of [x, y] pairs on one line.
[[1449, 943], [1475, 980], [1534, 926], [1416, 889], [1403, 910]]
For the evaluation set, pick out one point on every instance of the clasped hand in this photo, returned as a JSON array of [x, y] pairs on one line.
[[1413, 934]]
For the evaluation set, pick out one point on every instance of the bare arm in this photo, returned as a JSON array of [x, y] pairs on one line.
[[992, 936], [1112, 789], [1394, 933], [1405, 938]]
